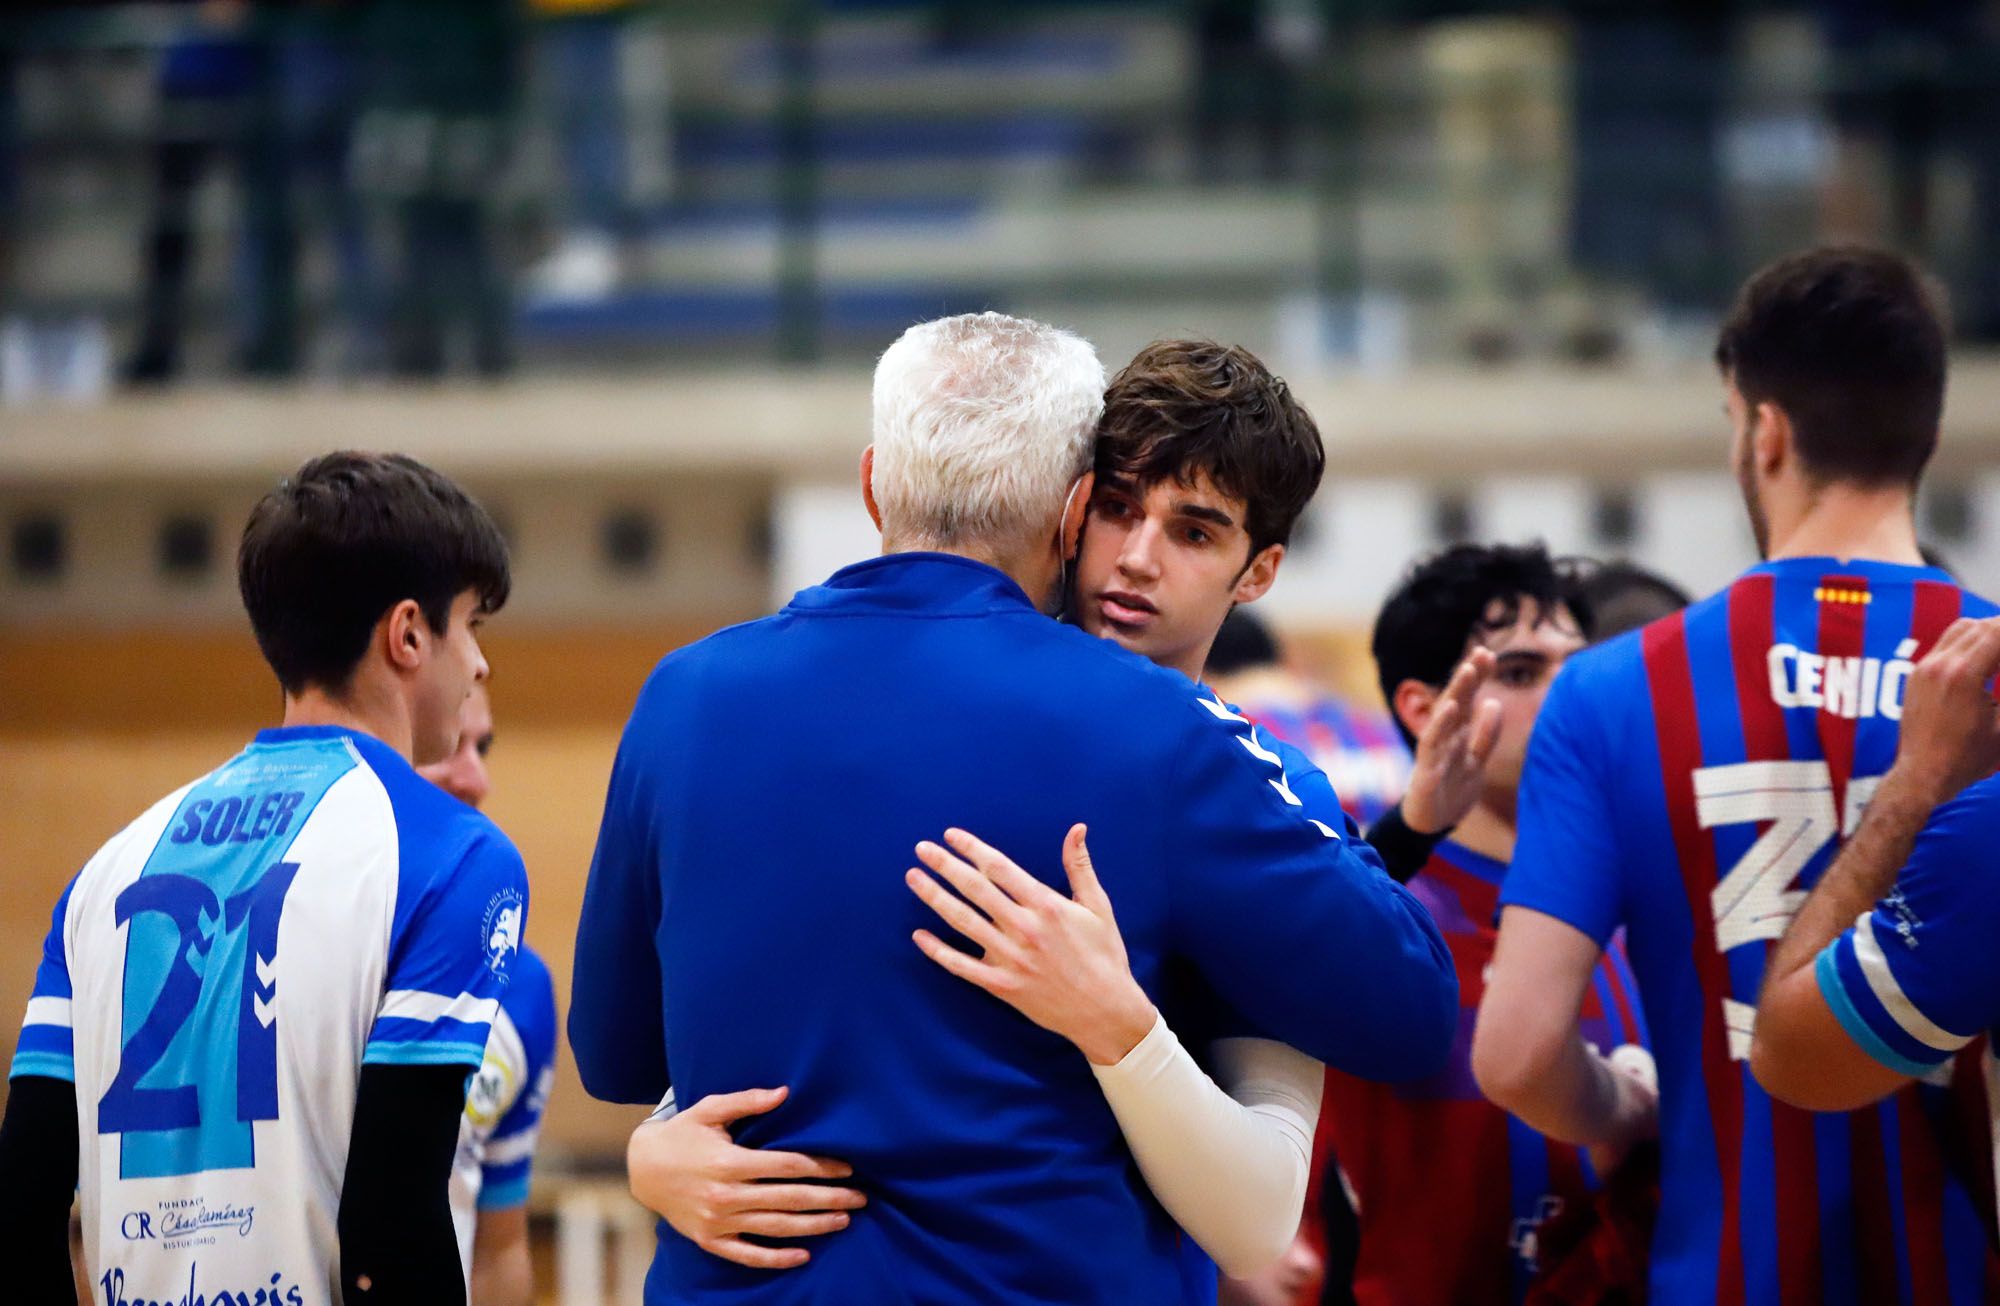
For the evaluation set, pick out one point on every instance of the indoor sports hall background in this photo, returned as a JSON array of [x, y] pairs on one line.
[[622, 268]]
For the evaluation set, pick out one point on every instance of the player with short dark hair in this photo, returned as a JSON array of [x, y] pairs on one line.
[[1453, 1196], [1689, 781], [1850, 344], [258, 1004]]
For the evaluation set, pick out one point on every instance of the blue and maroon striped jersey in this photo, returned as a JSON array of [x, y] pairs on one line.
[[1690, 781], [1450, 1190], [1358, 748]]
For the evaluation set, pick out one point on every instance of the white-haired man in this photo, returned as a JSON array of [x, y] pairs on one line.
[[747, 904]]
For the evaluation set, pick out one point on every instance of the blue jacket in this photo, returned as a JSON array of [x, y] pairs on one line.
[[746, 908]]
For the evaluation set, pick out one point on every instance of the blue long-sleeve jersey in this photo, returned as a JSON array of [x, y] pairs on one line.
[[746, 908]]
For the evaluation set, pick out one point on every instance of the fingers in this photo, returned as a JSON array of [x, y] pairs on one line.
[[1485, 732], [721, 1108], [956, 912], [748, 1199], [1446, 717], [977, 888], [775, 1224], [969, 969], [998, 867], [1982, 651], [1083, 882], [757, 1258], [751, 1163]]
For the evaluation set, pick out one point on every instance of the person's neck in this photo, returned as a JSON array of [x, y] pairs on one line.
[[1486, 832], [1037, 576], [1853, 523], [361, 707]]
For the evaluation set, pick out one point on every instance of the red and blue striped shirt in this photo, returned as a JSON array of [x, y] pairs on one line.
[[1689, 782], [1450, 1190]]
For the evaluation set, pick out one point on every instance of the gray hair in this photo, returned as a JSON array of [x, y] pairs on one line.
[[981, 423]]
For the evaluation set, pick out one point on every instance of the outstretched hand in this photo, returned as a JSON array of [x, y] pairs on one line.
[[1058, 961], [1453, 750]]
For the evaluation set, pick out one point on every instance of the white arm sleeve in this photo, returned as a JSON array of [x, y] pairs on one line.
[[666, 1110], [1230, 1167]]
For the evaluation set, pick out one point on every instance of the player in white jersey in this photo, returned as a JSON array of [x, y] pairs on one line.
[[510, 1090], [259, 1004]]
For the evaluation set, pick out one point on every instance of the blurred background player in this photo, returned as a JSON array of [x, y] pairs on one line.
[[1686, 780], [1612, 597], [1451, 1193], [510, 1090], [1357, 746], [201, 1050]]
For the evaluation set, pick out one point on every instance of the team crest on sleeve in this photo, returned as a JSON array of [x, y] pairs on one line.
[[501, 928]]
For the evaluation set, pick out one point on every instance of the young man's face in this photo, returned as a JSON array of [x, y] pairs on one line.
[[455, 667], [1527, 656], [1160, 567], [463, 774]]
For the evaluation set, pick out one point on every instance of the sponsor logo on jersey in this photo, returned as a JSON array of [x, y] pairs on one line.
[[501, 928], [201, 1292], [176, 1222], [492, 1091]]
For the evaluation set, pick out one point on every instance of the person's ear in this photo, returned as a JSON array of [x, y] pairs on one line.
[[1773, 439], [406, 635], [868, 486], [1413, 702], [1258, 577], [1076, 511]]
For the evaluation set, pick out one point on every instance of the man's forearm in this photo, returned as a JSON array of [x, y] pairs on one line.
[[1578, 1098], [38, 1168], [1861, 876], [397, 1243]]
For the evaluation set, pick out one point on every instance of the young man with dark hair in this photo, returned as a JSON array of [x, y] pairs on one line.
[[1691, 780], [1166, 552], [1451, 1193], [258, 1004]]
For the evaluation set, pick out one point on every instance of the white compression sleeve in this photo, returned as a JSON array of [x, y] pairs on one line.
[[1230, 1167], [666, 1110]]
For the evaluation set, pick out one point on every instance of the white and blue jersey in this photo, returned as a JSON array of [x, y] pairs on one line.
[[217, 975], [1916, 979], [504, 1104]]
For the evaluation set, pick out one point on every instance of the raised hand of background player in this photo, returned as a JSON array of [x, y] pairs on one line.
[[688, 1171], [1452, 751], [1950, 733], [1058, 961]]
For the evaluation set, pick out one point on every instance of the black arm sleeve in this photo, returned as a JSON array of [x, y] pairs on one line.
[[397, 1245], [38, 1163], [1403, 850]]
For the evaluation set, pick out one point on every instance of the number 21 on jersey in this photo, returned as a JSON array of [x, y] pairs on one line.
[[201, 1022]]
